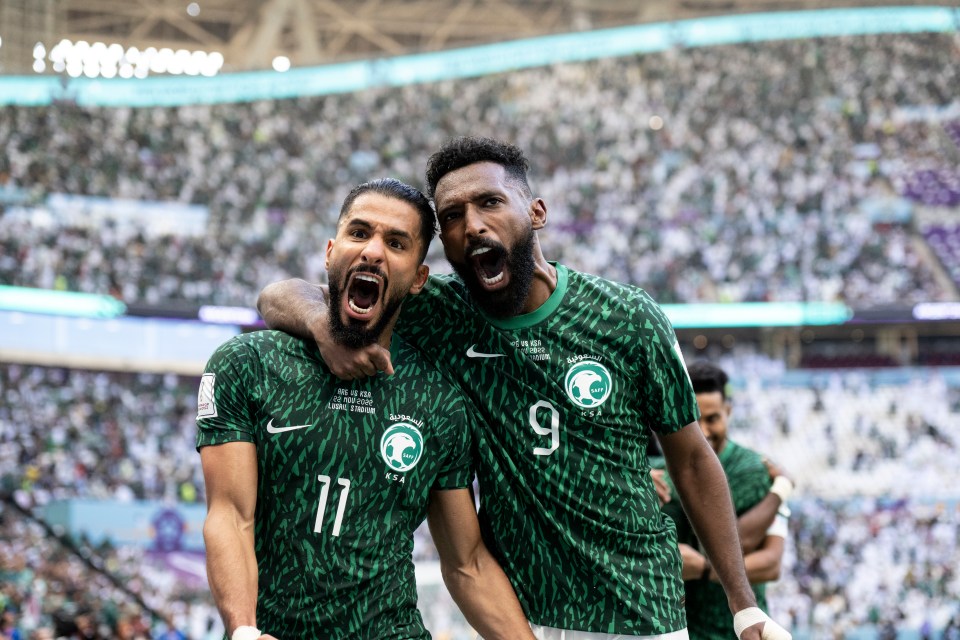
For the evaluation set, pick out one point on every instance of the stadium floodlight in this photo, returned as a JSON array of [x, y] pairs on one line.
[[60, 303], [110, 60]]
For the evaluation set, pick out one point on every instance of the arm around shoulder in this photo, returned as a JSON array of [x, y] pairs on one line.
[[293, 305], [300, 308]]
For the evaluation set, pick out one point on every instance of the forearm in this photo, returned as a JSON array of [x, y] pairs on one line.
[[706, 500], [294, 306], [231, 569], [473, 577], [486, 598], [694, 563], [752, 526], [762, 566]]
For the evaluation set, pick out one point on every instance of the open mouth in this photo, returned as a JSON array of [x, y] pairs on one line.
[[489, 264], [363, 294]]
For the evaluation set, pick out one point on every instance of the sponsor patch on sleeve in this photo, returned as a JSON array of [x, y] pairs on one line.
[[206, 407]]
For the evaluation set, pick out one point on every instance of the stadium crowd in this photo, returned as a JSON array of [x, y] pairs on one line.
[[772, 171]]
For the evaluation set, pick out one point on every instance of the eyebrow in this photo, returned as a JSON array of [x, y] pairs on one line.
[[472, 197], [363, 224]]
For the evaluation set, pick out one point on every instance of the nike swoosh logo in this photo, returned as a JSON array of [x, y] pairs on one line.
[[471, 353], [273, 429]]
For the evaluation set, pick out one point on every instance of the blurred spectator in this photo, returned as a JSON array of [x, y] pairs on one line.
[[781, 170]]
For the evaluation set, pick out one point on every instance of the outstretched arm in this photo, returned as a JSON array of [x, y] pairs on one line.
[[472, 575], [703, 490], [300, 308], [230, 474]]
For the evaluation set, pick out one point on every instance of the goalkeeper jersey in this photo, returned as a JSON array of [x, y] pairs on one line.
[[565, 396], [345, 473]]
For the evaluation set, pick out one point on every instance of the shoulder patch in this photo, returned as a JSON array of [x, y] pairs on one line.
[[206, 406]]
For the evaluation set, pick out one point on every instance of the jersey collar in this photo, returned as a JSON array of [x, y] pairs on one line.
[[542, 312]]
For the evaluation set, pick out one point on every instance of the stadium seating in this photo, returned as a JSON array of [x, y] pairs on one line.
[[738, 173]]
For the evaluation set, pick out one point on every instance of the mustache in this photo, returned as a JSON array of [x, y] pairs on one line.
[[480, 243], [372, 269]]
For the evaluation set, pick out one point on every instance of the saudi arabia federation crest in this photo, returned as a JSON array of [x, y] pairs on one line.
[[401, 446], [588, 384]]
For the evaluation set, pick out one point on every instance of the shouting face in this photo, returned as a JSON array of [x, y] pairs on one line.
[[373, 263], [487, 224]]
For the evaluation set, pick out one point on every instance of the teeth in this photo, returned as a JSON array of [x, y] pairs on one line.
[[366, 278], [359, 310], [479, 252], [494, 280]]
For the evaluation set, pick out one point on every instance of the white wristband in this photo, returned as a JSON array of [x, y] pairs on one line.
[[745, 617], [245, 633], [782, 486], [751, 616]]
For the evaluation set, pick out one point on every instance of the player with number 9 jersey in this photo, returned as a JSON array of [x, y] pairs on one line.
[[566, 396]]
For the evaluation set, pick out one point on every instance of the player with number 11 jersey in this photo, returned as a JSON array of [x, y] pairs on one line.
[[345, 472]]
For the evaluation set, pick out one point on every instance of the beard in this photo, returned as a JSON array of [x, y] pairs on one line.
[[354, 334], [519, 264]]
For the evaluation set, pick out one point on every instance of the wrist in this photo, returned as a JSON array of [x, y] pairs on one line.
[[245, 632], [782, 487], [747, 618]]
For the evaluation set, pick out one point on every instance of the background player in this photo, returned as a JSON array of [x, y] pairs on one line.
[[568, 371], [749, 479], [315, 486]]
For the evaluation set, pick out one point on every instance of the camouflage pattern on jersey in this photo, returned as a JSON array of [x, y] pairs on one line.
[[708, 614], [345, 472], [565, 397]]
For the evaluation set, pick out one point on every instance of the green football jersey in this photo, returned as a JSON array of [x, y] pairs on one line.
[[565, 397], [708, 614], [345, 474]]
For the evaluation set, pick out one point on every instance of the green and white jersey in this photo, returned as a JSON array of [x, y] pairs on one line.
[[708, 614], [345, 474], [565, 397]]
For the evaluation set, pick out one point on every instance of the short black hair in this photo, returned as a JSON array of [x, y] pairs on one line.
[[466, 150], [707, 378], [393, 188]]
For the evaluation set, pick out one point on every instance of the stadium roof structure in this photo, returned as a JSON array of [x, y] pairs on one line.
[[250, 34]]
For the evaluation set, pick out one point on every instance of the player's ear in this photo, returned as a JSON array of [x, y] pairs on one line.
[[727, 408], [538, 213], [418, 283], [326, 263]]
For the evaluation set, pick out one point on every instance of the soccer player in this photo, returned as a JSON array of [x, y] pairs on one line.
[[316, 485], [749, 479], [568, 371]]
